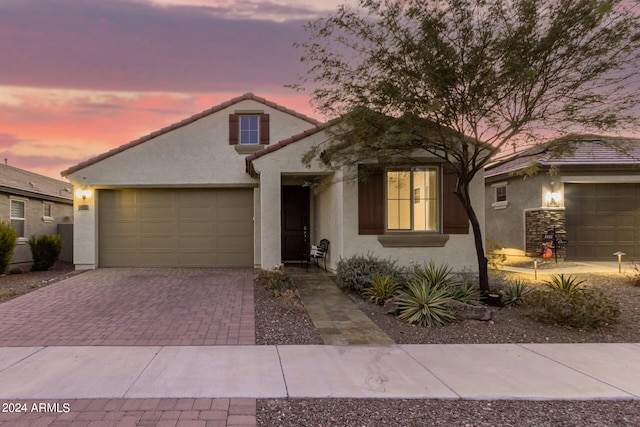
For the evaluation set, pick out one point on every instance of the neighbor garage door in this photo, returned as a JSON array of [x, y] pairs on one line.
[[602, 219], [176, 227]]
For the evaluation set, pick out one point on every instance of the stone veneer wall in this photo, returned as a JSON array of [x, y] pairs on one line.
[[537, 222]]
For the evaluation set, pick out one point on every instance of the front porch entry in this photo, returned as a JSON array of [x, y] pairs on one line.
[[295, 217]]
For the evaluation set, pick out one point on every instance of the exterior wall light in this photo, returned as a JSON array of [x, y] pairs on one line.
[[552, 198], [83, 193]]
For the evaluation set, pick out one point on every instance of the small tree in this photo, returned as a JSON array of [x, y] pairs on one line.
[[8, 236], [461, 79], [45, 250]]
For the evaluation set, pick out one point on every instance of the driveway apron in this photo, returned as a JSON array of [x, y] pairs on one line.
[[135, 307]]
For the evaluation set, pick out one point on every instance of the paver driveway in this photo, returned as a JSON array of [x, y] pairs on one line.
[[135, 306]]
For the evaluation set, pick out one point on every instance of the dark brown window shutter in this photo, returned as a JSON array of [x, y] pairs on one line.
[[264, 128], [371, 202], [234, 129], [455, 220]]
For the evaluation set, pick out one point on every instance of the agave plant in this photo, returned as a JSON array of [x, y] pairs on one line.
[[424, 304], [515, 293], [464, 292], [381, 288], [563, 284], [435, 276]]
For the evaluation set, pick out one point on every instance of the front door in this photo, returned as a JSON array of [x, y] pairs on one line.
[[295, 222]]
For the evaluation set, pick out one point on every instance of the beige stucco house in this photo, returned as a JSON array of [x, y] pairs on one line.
[[35, 205], [227, 187], [587, 188]]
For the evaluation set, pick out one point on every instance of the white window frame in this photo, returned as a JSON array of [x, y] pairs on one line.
[[412, 195], [251, 132], [47, 206], [21, 239], [502, 204]]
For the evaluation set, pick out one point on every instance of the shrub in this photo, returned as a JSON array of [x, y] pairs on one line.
[[45, 250], [634, 278], [515, 293], [495, 257], [464, 292], [423, 304], [442, 277], [381, 288], [354, 273], [581, 309], [434, 276], [275, 280], [569, 285], [8, 238]]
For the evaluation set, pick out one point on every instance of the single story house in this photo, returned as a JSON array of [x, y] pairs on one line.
[[227, 187], [589, 193], [35, 204]]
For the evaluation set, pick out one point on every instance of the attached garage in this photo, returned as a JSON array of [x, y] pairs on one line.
[[602, 218], [176, 227]]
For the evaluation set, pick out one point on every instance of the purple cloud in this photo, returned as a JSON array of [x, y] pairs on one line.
[[8, 141], [125, 45]]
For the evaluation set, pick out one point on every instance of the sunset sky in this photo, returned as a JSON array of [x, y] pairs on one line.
[[79, 77]]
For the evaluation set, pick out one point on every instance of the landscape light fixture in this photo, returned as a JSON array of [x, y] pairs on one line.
[[619, 254], [535, 268]]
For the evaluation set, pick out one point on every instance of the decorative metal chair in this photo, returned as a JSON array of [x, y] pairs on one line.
[[319, 252]]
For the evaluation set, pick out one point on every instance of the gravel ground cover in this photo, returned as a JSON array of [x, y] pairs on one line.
[[285, 323], [508, 325]]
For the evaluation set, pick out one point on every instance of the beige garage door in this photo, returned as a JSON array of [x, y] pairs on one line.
[[602, 219], [176, 228]]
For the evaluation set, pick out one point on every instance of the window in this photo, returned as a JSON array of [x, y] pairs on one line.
[[47, 212], [18, 216], [499, 195], [412, 199], [249, 129]]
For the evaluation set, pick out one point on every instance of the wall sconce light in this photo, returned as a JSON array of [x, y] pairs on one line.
[[552, 198], [619, 254], [83, 193]]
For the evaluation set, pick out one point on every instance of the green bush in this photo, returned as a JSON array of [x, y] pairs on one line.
[[515, 293], [423, 304], [354, 273], [45, 250], [8, 238], [381, 288], [580, 309], [275, 280]]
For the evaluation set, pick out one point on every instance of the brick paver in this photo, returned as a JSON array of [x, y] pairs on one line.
[[135, 307], [132, 412]]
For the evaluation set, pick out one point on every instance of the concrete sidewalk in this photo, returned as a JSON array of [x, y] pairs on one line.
[[482, 371]]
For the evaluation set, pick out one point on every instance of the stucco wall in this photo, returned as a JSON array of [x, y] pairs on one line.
[[506, 225], [35, 223], [197, 154], [458, 253]]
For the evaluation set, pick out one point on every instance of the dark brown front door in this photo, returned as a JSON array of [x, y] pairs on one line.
[[295, 222]]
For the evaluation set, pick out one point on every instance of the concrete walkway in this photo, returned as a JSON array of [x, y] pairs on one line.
[[498, 371]]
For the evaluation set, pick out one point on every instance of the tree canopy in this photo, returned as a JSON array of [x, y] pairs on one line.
[[461, 79]]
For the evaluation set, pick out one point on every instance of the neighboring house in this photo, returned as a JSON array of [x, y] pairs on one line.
[[36, 205], [227, 187], [589, 193]]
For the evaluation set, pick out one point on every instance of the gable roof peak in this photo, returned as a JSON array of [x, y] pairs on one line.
[[193, 118]]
